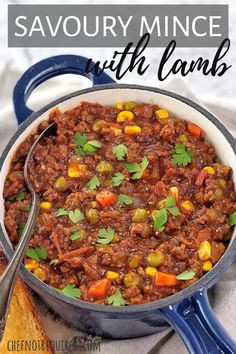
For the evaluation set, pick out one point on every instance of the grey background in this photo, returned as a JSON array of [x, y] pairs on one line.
[[135, 12]]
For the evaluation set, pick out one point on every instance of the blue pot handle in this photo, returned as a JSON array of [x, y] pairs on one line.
[[46, 69], [198, 326]]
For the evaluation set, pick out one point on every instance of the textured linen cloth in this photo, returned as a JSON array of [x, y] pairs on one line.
[[223, 295]]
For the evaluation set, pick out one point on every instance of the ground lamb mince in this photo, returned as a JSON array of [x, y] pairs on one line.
[[121, 244]]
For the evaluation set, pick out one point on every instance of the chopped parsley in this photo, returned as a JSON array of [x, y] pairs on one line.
[[137, 170], [117, 179], [105, 236], [181, 156], [76, 216], [85, 147], [54, 261], [116, 299], [21, 228], [70, 290], [37, 253], [62, 212], [28, 207], [75, 235], [20, 196], [160, 217], [93, 183], [120, 151], [232, 219], [124, 199], [186, 275]]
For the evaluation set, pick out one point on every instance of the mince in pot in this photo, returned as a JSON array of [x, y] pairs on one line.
[[135, 205]]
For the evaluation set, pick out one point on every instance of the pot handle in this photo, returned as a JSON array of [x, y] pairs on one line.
[[46, 69], [198, 326]]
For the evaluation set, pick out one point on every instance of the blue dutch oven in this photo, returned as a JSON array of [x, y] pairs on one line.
[[188, 311]]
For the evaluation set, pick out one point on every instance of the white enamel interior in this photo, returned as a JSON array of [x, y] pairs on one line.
[[111, 96]]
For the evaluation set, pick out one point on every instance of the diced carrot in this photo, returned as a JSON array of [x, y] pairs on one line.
[[165, 279], [201, 177], [75, 253], [194, 130], [98, 289], [106, 198]]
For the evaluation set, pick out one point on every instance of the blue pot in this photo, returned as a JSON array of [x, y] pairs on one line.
[[188, 311]]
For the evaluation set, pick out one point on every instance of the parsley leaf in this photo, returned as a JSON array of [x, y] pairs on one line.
[[105, 236], [117, 179], [21, 228], [186, 275], [181, 156], [41, 252], [93, 183], [124, 199], [170, 205], [36, 253], [54, 261], [160, 219], [75, 235], [20, 196], [76, 216], [85, 147], [28, 207], [70, 290], [161, 216], [116, 299], [120, 151], [79, 151], [232, 219], [137, 170], [62, 212], [80, 139]]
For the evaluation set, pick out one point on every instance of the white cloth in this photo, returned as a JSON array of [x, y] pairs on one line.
[[224, 294]]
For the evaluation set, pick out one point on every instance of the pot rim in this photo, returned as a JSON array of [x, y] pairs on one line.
[[202, 283]]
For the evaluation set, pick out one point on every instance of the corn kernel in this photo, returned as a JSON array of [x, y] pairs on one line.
[[129, 105], [204, 250], [60, 182], [174, 191], [162, 114], [45, 205], [111, 275], [31, 264], [187, 205], [94, 204], [183, 138], [132, 129], [40, 274], [151, 271], [99, 125], [222, 182], [207, 265], [209, 170], [119, 105], [117, 131], [161, 203], [76, 170], [124, 116]]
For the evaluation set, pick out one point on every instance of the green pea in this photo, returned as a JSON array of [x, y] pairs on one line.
[[140, 215], [131, 279], [92, 215], [155, 259], [104, 167]]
